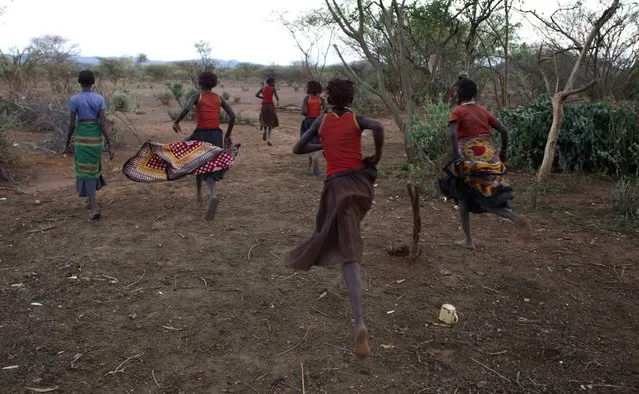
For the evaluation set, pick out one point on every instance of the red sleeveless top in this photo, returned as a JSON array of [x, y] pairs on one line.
[[207, 111], [267, 94], [342, 143], [313, 106]]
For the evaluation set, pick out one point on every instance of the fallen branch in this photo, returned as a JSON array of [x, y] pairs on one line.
[[119, 368], [492, 370], [294, 347], [41, 230]]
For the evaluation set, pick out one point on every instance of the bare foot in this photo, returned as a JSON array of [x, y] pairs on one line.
[[198, 198], [269, 143], [524, 228], [465, 244], [212, 208], [362, 350], [95, 216]]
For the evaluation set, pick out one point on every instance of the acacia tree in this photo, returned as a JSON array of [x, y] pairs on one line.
[[558, 99], [313, 34], [56, 57]]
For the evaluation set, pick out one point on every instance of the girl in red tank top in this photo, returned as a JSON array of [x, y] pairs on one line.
[[346, 198], [268, 114], [208, 106], [312, 107]]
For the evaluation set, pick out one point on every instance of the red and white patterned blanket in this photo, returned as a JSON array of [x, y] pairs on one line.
[[156, 162]]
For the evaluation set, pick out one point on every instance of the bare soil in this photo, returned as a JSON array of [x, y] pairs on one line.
[[152, 298]]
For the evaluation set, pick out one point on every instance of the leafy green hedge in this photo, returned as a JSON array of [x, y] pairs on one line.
[[595, 137]]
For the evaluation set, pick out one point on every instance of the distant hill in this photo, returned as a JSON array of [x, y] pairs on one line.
[[93, 60]]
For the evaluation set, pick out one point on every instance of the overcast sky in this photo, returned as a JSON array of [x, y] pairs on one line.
[[242, 30]]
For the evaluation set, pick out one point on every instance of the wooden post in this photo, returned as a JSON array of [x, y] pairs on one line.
[[413, 194]]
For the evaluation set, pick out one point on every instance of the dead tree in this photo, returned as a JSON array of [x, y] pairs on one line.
[[559, 97]]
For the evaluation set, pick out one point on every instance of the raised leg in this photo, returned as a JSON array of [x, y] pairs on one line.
[[520, 221], [213, 200], [352, 277], [464, 215], [268, 136], [93, 202], [198, 189]]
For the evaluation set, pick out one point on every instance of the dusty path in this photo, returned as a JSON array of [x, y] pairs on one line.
[[153, 299]]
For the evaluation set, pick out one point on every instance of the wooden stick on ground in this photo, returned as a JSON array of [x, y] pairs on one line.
[[413, 193], [303, 385]]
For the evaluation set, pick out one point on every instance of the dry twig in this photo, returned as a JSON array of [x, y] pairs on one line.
[[492, 370], [154, 379], [296, 346], [119, 368], [137, 281]]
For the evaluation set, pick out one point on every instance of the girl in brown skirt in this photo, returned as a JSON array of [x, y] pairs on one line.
[[268, 114], [346, 198]]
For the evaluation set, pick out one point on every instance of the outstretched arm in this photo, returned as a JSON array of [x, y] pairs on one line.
[[71, 128], [259, 94], [189, 105], [378, 135], [302, 146], [104, 126], [503, 155], [228, 142]]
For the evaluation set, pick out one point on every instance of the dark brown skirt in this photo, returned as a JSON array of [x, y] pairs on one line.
[[268, 116], [346, 198]]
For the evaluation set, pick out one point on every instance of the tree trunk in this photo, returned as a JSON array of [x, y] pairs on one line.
[[545, 170]]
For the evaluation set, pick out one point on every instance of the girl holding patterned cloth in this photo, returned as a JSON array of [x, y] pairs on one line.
[[88, 123], [346, 197], [475, 176], [208, 106]]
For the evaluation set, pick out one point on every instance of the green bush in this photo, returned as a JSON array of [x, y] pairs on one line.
[[430, 137], [120, 103], [8, 158], [595, 137], [226, 95], [165, 98], [368, 104]]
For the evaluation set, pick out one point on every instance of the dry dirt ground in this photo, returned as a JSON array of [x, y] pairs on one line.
[[154, 299]]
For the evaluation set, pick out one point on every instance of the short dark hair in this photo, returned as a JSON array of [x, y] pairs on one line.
[[466, 90], [270, 80], [207, 80], [313, 87], [86, 78], [340, 92]]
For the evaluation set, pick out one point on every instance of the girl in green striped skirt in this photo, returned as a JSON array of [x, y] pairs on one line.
[[87, 122]]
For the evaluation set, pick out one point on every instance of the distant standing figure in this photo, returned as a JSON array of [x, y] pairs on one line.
[[208, 106], [346, 198], [312, 107], [268, 114], [475, 176], [88, 123]]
